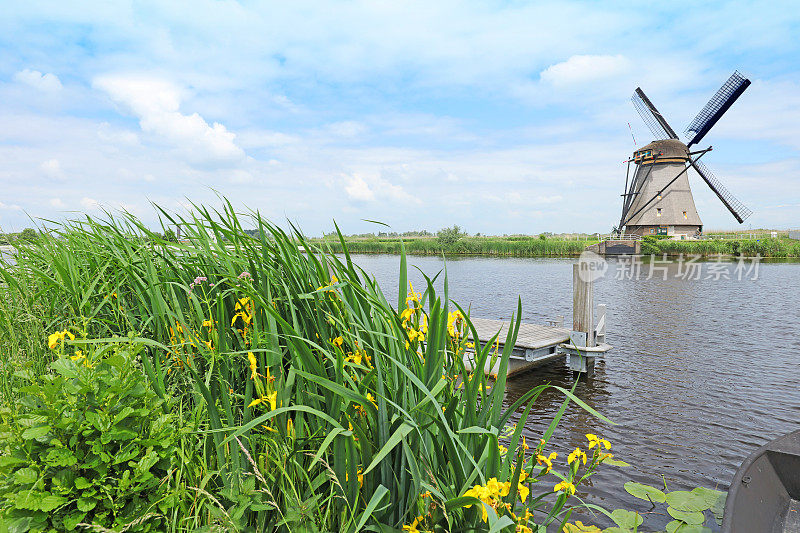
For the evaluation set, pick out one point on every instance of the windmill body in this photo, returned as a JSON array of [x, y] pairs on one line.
[[658, 199], [672, 212]]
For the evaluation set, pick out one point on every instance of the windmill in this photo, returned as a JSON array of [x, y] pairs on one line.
[[658, 200]]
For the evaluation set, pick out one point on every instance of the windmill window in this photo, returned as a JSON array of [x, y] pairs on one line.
[[659, 197], [684, 216], [658, 212]]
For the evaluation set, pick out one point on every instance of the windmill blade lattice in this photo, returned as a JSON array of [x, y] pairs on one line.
[[737, 208], [716, 107], [650, 115]]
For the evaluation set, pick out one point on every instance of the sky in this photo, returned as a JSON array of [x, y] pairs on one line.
[[502, 117]]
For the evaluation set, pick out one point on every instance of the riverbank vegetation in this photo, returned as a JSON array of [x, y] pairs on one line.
[[233, 383], [518, 246], [766, 247]]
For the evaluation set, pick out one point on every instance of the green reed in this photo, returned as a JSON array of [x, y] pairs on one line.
[[309, 400]]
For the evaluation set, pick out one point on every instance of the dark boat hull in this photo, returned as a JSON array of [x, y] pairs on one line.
[[765, 493]]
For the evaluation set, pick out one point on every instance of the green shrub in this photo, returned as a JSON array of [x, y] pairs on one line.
[[87, 442]]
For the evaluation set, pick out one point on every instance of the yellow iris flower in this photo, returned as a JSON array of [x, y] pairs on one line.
[[576, 455], [594, 440], [566, 486], [546, 461]]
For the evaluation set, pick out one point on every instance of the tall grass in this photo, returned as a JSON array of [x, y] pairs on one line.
[[310, 400], [515, 247], [769, 247]]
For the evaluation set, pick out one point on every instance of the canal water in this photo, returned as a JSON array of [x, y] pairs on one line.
[[705, 365]]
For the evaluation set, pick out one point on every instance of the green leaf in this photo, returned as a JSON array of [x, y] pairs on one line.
[[48, 503], [642, 491], [72, 520], [82, 483], [86, 504], [35, 432], [683, 500], [614, 462], [676, 526], [391, 442], [715, 499], [26, 476], [60, 457], [626, 519], [689, 518]]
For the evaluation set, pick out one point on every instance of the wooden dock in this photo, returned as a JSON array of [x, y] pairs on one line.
[[536, 344]]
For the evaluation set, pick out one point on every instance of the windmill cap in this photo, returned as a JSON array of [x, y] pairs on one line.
[[665, 149]]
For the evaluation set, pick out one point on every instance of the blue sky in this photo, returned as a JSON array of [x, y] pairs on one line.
[[502, 117]]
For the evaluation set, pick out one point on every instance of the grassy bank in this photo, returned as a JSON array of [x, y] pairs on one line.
[[246, 386], [769, 247], [497, 246]]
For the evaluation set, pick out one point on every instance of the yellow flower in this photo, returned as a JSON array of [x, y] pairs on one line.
[[338, 341], [566, 486], [208, 324], [371, 398], [604, 456], [253, 365], [412, 528], [523, 492], [502, 449], [594, 440], [577, 454], [412, 296], [579, 527], [271, 398], [548, 461], [78, 355], [58, 336]]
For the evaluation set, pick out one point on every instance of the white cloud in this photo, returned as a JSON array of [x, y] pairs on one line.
[[113, 135], [89, 203], [157, 102], [358, 189], [42, 82], [57, 203], [580, 69], [10, 207], [239, 176], [51, 168]]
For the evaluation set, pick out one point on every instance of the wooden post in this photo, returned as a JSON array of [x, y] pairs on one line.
[[582, 303]]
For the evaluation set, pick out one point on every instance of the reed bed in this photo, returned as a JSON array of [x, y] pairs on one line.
[[499, 246], [768, 247], [301, 397]]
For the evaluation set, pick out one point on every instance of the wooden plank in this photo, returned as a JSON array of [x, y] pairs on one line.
[[531, 336], [582, 303]]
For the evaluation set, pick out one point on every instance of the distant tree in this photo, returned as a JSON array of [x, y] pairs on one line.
[[169, 235], [449, 236], [542, 237], [28, 234]]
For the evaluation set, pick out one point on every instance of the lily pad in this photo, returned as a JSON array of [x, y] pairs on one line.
[[614, 462], [715, 500], [643, 491], [690, 518], [683, 500], [626, 519], [676, 526]]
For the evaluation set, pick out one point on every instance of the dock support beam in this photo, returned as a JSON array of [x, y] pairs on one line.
[[586, 342]]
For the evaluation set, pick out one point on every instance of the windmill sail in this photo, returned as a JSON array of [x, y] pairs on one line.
[[737, 208], [654, 120], [716, 107]]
